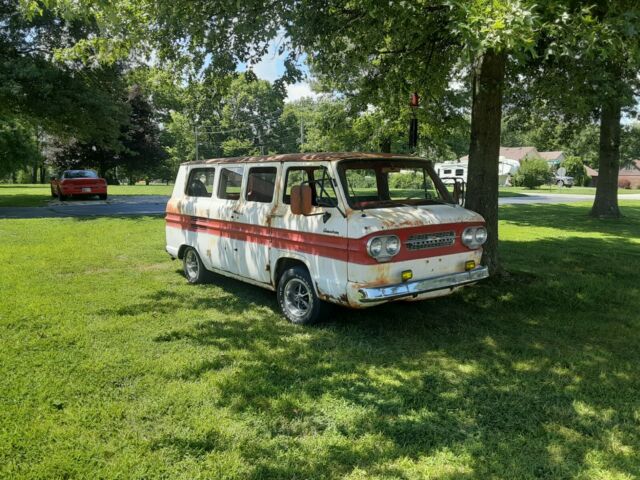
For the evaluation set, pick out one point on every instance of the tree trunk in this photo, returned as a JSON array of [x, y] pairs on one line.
[[385, 145], [484, 151], [605, 204]]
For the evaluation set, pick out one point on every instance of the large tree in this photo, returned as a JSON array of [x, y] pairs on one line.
[[138, 151], [586, 73], [65, 98], [18, 146]]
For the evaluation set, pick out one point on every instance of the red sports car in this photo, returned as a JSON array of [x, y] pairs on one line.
[[78, 183]]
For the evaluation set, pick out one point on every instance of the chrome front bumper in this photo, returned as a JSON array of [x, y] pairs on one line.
[[416, 287]]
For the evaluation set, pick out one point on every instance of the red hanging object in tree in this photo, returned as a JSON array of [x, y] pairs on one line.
[[414, 103]]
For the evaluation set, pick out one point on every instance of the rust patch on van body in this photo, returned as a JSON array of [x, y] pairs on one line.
[[341, 299], [380, 275]]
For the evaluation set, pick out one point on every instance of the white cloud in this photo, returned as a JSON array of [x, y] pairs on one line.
[[271, 68], [300, 90], [271, 65]]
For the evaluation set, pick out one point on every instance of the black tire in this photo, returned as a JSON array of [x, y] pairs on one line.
[[194, 270], [103, 196], [297, 298], [560, 183]]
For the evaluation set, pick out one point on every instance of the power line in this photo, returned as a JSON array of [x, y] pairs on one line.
[[275, 130]]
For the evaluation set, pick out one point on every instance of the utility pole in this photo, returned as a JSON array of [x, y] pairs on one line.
[[301, 133], [196, 133]]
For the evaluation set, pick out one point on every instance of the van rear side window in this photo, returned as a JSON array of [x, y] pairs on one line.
[[260, 184], [200, 182], [230, 183]]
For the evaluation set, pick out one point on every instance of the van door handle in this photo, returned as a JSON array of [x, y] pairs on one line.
[[237, 212]]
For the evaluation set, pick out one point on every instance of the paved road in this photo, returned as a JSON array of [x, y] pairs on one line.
[[119, 205], [540, 197], [116, 205]]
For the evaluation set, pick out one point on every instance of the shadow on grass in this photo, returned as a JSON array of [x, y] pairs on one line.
[[20, 200], [532, 376], [571, 217], [14, 186]]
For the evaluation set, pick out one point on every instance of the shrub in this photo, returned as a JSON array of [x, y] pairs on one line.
[[406, 181], [624, 183], [532, 173]]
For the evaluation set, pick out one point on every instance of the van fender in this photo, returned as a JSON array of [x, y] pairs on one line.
[[336, 295], [278, 255]]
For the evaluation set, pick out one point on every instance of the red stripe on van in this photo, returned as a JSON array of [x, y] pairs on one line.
[[339, 248], [312, 243]]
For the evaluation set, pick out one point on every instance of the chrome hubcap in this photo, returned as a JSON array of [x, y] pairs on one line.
[[297, 298], [191, 264]]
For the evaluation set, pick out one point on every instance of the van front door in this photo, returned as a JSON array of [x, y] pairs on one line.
[[320, 239]]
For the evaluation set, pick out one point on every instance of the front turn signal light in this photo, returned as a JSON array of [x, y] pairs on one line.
[[469, 265], [407, 275]]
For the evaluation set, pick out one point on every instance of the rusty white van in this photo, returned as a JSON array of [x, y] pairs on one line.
[[355, 229]]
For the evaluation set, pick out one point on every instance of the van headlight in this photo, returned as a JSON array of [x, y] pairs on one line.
[[474, 237], [384, 247]]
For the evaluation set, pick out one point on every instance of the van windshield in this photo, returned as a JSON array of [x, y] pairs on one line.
[[387, 183]]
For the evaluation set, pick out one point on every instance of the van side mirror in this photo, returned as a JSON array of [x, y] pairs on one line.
[[301, 200]]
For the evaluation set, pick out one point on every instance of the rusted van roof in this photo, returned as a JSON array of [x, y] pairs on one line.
[[303, 157]]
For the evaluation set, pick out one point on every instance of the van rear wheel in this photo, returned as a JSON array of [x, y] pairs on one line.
[[193, 267], [297, 298]]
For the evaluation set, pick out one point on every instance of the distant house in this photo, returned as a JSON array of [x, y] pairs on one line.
[[509, 162], [593, 174], [554, 159], [632, 174]]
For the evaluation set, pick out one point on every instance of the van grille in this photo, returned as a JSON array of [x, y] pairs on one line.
[[423, 241]]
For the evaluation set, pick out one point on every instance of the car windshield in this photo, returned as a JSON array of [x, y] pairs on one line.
[[387, 183], [80, 174]]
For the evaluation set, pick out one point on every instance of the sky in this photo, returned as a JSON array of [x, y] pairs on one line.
[[271, 67]]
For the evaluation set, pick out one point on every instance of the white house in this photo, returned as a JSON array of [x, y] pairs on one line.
[[509, 162]]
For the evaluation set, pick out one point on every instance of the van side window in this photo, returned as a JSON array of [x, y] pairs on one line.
[[261, 183], [317, 178], [447, 172], [459, 172], [230, 183], [200, 182]]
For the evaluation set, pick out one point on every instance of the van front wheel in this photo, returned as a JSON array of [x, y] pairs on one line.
[[297, 298], [194, 270]]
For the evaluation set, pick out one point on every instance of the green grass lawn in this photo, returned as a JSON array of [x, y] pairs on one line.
[[36, 195], [518, 191], [113, 367]]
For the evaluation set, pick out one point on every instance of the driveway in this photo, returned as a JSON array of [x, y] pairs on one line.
[[116, 205]]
